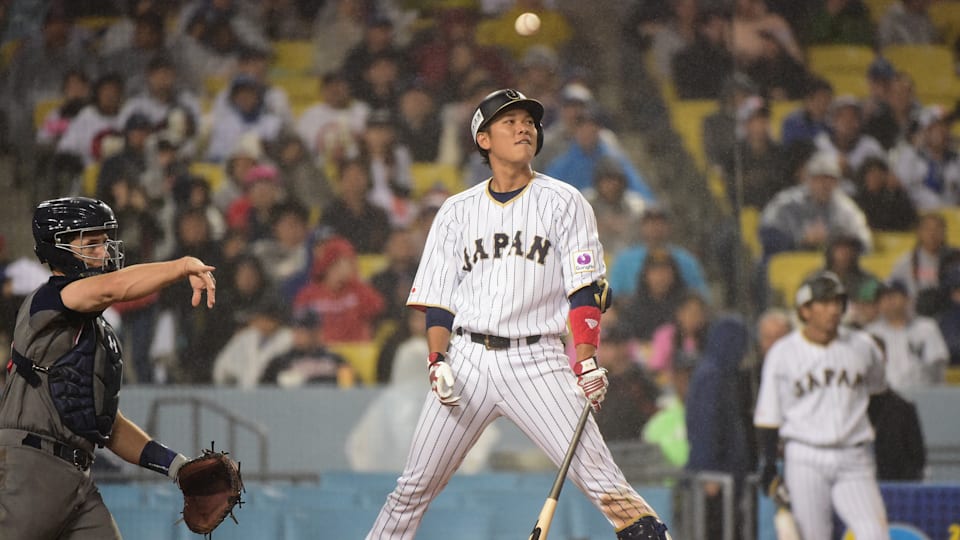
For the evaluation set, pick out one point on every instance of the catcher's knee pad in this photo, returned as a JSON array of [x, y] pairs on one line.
[[645, 528]]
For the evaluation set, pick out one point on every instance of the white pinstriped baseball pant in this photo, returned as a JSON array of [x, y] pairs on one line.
[[534, 387], [845, 477]]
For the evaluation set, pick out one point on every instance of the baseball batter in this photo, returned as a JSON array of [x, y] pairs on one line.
[[814, 392], [61, 395], [505, 264]]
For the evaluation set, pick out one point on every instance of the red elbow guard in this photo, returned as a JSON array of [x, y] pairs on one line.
[[585, 324]]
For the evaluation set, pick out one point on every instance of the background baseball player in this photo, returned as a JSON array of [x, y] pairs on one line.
[[505, 263], [814, 392], [62, 391]]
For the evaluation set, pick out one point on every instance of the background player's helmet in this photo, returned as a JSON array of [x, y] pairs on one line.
[[500, 101], [821, 286], [58, 221]]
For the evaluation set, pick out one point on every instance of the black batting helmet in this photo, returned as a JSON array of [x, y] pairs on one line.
[[501, 101], [56, 222], [821, 286]]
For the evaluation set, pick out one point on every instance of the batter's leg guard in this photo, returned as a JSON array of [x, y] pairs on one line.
[[645, 528]]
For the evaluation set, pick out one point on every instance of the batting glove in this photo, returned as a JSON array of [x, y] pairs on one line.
[[592, 380], [441, 379]]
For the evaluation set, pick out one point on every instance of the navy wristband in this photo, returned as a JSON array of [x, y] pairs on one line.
[[157, 457]]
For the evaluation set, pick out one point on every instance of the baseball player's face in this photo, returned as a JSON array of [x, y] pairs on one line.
[[512, 137], [823, 315], [91, 248]]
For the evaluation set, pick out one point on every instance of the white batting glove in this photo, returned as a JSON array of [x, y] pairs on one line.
[[441, 380], [592, 380]]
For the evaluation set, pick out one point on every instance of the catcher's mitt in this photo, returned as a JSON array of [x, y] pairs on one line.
[[211, 486]]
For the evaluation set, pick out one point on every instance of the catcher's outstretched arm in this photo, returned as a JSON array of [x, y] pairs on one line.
[[133, 445]]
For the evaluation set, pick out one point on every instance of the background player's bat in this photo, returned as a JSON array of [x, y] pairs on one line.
[[783, 521], [542, 527]]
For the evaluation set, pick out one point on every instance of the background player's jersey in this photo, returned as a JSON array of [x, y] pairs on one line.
[[507, 268], [818, 395]]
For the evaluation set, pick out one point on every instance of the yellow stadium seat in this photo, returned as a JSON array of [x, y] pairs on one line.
[[778, 111], [827, 59], [213, 84], [293, 57], [370, 264], [42, 108], [212, 172], [299, 88], [7, 51], [878, 8], [687, 117], [787, 270], [90, 175], [849, 84], [718, 188], [952, 376], [362, 356], [930, 66], [427, 176], [952, 215], [749, 228], [880, 264], [946, 18], [893, 242], [95, 24]]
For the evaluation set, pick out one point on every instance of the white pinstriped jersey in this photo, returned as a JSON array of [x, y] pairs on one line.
[[507, 268], [818, 395]]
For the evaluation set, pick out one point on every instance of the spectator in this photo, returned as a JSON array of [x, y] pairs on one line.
[[842, 257], [659, 291], [892, 107], [284, 253], [251, 214], [255, 64], [162, 97], [394, 282], [718, 127], [683, 335], [840, 22], [754, 173], [285, 20], [347, 307], [82, 137], [667, 428], [410, 333], [678, 32], [246, 112], [864, 304], [305, 181], [130, 163], [75, 94], [245, 155], [120, 34], [352, 215], [331, 129], [715, 425], [618, 211], [232, 15], [916, 351], [381, 83], [390, 162], [133, 59], [700, 69], [803, 217], [554, 32], [846, 137], [930, 169], [920, 268], [378, 44], [776, 71], [949, 318], [244, 286], [655, 229], [907, 22], [810, 120], [245, 357], [772, 324], [882, 198], [539, 75], [751, 21], [307, 361], [633, 393], [418, 123], [339, 26], [578, 164], [575, 98]]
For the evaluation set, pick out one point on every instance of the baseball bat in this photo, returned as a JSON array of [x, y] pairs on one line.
[[542, 527], [785, 525]]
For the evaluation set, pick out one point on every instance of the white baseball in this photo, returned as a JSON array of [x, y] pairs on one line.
[[527, 24]]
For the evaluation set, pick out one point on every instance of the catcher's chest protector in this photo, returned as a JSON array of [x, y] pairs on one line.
[[85, 382]]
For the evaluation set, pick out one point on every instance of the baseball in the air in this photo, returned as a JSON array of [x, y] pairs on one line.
[[527, 24]]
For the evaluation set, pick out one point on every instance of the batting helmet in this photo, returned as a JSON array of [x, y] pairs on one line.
[[58, 221], [500, 101], [821, 286]]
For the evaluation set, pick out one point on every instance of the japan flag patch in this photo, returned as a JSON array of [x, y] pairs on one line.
[[584, 261]]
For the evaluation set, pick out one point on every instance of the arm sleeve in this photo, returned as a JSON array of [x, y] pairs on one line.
[[579, 244], [437, 316], [440, 270]]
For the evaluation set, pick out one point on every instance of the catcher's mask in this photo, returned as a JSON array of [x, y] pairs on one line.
[[499, 102], [57, 222]]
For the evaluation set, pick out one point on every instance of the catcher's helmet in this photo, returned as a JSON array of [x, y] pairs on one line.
[[821, 286], [500, 101], [56, 222]]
